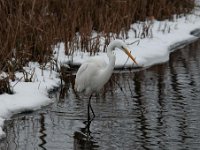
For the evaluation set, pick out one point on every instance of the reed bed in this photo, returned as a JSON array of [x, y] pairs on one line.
[[29, 29]]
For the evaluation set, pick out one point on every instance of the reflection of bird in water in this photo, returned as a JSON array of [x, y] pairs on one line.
[[82, 142], [94, 73]]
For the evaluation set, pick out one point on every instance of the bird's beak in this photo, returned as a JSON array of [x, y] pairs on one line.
[[129, 55]]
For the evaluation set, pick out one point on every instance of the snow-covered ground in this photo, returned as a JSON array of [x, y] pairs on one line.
[[28, 96], [150, 51]]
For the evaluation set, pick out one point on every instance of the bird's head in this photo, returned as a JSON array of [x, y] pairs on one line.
[[121, 45]]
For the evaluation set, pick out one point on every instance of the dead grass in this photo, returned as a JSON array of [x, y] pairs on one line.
[[5, 86]]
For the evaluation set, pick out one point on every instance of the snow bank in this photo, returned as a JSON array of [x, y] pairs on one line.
[[28, 96], [166, 37], [32, 95]]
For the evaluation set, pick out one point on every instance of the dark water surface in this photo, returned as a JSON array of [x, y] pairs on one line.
[[153, 108]]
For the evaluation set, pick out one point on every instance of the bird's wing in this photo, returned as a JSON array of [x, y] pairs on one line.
[[80, 78], [87, 71], [82, 68]]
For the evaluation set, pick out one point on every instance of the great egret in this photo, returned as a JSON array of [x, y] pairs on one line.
[[94, 73]]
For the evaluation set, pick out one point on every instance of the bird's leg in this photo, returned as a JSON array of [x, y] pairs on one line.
[[89, 118], [88, 121], [90, 107], [92, 112]]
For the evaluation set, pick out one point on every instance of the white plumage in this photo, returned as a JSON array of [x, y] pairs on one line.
[[94, 73], [88, 75]]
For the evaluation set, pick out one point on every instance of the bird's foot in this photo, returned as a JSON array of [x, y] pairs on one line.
[[85, 122], [87, 129], [88, 122]]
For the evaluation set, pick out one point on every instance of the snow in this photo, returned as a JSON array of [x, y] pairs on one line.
[[150, 51], [33, 95], [28, 96]]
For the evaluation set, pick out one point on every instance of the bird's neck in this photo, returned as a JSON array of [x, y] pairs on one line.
[[111, 63]]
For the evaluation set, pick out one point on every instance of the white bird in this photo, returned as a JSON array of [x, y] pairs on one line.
[[94, 73]]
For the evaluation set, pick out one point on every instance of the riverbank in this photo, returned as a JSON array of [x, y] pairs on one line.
[[29, 96]]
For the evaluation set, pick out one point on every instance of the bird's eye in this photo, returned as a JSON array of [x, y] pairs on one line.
[[122, 47]]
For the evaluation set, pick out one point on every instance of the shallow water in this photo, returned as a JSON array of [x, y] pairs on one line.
[[153, 108]]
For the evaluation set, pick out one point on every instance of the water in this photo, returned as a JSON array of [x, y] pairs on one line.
[[153, 108]]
